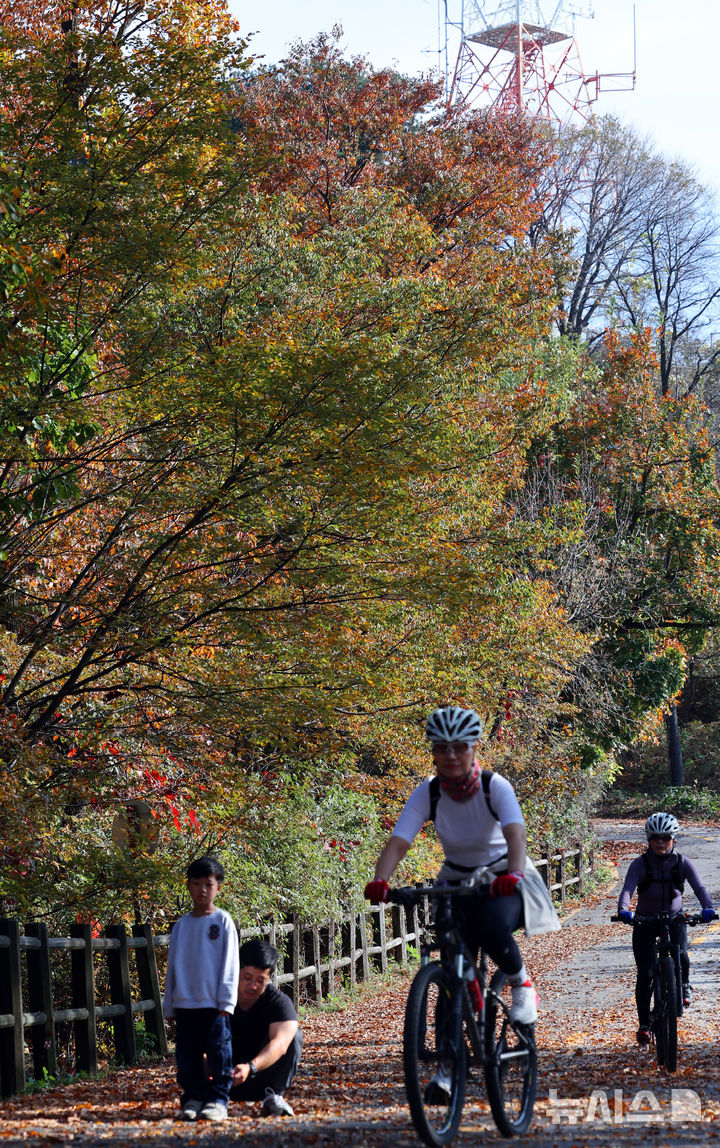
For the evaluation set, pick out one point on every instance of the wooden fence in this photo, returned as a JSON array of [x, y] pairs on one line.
[[316, 959]]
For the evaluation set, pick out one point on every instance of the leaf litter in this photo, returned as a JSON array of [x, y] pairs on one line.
[[595, 1086]]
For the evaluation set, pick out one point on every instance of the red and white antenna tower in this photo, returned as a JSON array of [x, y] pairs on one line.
[[522, 56]]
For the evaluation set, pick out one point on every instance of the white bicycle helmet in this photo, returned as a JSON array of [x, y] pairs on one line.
[[451, 723], [661, 823]]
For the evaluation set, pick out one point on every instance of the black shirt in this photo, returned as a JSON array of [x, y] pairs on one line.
[[251, 1028]]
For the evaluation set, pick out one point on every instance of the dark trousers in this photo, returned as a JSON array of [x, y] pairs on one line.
[[277, 1077], [200, 1031], [644, 934], [490, 924]]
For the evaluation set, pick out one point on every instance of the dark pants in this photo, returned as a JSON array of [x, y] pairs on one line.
[[277, 1077], [644, 934], [201, 1031], [490, 924]]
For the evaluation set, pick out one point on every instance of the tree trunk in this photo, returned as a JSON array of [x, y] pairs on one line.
[[675, 760]]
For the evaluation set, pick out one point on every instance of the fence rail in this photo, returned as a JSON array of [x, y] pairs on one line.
[[315, 959]]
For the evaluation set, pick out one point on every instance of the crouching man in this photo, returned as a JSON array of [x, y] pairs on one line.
[[266, 1037]]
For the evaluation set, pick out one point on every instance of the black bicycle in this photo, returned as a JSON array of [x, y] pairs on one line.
[[667, 985], [457, 1023]]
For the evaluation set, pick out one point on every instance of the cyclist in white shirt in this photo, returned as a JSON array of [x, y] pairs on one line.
[[479, 822]]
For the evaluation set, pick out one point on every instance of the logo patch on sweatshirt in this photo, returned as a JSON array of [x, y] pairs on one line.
[[214, 932]]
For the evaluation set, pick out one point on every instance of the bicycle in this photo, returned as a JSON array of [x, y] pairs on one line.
[[456, 1023], [667, 985]]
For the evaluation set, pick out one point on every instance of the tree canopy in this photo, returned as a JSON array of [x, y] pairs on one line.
[[291, 455]]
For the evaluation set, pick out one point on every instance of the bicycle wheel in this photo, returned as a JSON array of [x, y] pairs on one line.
[[678, 985], [434, 1054], [666, 1031], [511, 1065], [657, 1021]]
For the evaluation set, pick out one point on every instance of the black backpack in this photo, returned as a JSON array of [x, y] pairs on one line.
[[645, 882], [435, 794]]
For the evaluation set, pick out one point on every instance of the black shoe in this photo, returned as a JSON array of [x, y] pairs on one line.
[[437, 1091], [275, 1104], [687, 996], [643, 1035]]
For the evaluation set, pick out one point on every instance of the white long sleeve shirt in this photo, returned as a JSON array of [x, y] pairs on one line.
[[203, 964]]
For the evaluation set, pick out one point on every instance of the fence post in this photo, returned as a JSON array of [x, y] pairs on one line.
[[40, 999], [83, 997], [149, 983], [549, 871], [383, 939], [416, 926], [296, 959], [12, 1040], [332, 933], [580, 870], [563, 889], [315, 933], [272, 940], [350, 934], [364, 946], [399, 930], [426, 922], [120, 994]]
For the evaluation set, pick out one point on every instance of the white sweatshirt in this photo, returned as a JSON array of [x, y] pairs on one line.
[[203, 964]]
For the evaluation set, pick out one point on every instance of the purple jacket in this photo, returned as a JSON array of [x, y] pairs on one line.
[[661, 896]]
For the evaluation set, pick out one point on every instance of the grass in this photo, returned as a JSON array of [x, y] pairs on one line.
[[48, 1081]]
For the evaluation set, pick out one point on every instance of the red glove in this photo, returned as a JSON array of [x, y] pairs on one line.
[[504, 884], [377, 891]]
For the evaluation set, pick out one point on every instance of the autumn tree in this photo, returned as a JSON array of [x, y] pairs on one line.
[[590, 199], [281, 402], [671, 283], [632, 477], [637, 245], [251, 530]]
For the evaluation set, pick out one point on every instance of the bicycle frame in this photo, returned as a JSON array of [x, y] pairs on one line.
[[667, 984], [457, 960], [470, 1026], [666, 947]]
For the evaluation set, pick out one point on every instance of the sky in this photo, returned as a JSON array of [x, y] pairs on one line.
[[674, 104]]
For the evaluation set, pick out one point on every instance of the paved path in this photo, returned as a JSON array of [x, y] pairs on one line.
[[588, 1021], [601, 967], [596, 1088]]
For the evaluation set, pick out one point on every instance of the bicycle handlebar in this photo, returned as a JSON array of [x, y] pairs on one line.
[[411, 894], [691, 919]]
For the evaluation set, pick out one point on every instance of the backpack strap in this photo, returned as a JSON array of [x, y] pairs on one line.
[[434, 796], [486, 777], [646, 880]]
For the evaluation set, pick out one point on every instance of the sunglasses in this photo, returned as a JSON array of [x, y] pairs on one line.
[[661, 837], [456, 746]]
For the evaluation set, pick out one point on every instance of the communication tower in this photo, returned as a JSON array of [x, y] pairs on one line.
[[521, 56]]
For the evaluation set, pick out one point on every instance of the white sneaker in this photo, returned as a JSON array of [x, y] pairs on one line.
[[214, 1111], [275, 1104], [191, 1109], [523, 1009]]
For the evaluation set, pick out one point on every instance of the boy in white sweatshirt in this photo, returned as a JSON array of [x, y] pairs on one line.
[[201, 987]]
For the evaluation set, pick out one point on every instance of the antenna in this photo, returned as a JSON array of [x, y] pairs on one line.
[[522, 56]]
